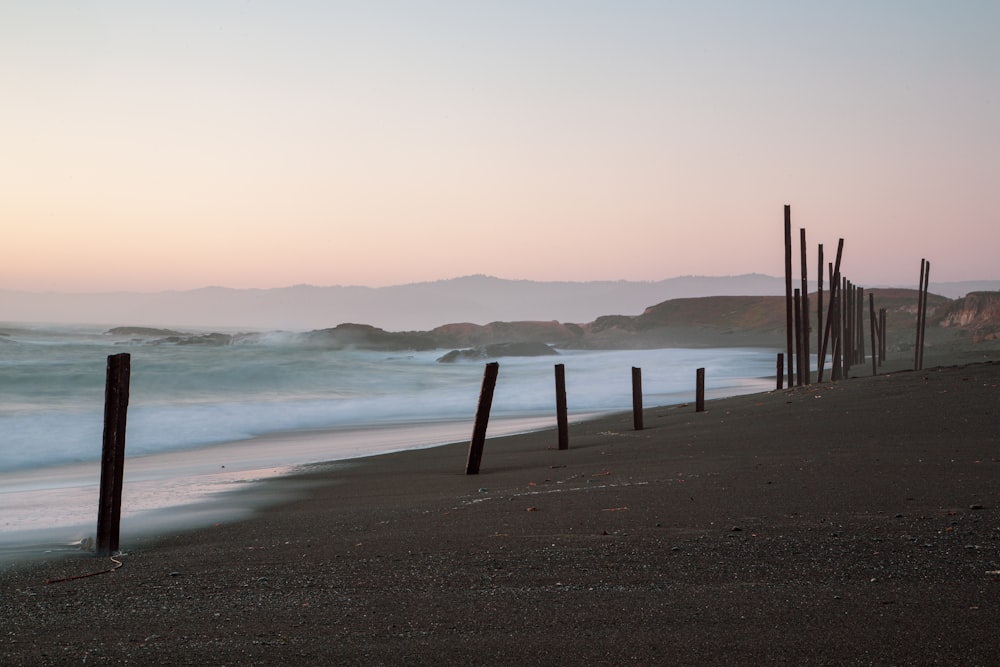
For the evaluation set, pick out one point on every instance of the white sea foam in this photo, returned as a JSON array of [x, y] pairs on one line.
[[193, 397]]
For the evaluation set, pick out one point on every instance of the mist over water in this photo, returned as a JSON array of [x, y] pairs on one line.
[[186, 396], [190, 400]]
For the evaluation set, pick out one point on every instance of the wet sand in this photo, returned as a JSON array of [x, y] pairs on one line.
[[844, 523]]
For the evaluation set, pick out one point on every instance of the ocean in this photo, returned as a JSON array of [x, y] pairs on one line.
[[205, 419]]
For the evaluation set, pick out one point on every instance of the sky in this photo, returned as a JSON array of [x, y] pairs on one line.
[[150, 146]]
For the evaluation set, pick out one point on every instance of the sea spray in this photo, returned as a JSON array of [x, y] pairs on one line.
[[207, 418]]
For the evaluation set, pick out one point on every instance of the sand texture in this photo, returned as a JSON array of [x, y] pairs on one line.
[[846, 523]]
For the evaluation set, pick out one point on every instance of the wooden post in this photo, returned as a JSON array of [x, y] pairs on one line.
[[799, 334], [637, 398], [109, 509], [804, 356], [920, 309], [828, 331], [871, 318], [781, 371], [819, 314], [883, 320], [844, 307], [482, 418], [860, 324], [788, 293], [923, 315], [700, 390], [561, 419], [846, 316]]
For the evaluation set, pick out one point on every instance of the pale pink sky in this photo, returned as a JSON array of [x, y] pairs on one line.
[[151, 146]]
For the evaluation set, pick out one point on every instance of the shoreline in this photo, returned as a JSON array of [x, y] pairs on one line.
[[853, 522], [188, 489]]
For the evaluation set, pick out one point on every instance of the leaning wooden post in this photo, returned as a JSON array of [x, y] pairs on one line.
[[828, 331], [109, 510], [788, 293], [482, 418], [699, 402], [561, 419], [920, 308], [871, 318], [637, 397], [781, 371]]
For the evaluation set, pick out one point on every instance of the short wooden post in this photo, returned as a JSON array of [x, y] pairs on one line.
[[699, 402], [637, 397], [781, 370], [883, 317], [482, 418], [799, 334], [109, 510], [561, 419]]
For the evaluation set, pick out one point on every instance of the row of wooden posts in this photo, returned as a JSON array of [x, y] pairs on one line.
[[116, 395], [843, 334], [478, 442]]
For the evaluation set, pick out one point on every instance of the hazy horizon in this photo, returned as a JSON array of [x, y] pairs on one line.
[[172, 146], [905, 284]]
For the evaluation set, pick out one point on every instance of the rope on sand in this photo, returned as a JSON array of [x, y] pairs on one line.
[[117, 565]]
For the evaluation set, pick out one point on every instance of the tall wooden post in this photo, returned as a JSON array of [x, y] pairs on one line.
[[871, 317], [923, 316], [109, 510], [482, 418], [781, 371], [637, 398], [860, 323], [806, 331], [819, 313], [699, 401], [920, 309], [561, 418], [788, 293]]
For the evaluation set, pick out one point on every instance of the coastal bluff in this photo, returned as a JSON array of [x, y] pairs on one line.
[[698, 322]]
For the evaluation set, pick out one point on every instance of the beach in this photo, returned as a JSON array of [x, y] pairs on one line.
[[839, 523]]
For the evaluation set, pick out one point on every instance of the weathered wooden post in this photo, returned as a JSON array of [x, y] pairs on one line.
[[923, 314], [781, 371], [819, 314], [637, 397], [482, 418], [561, 419], [804, 355], [788, 293], [699, 402], [871, 318], [918, 344], [797, 309], [829, 330], [883, 321], [860, 323], [109, 511]]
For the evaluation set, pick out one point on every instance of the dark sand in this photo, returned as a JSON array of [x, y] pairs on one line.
[[846, 523]]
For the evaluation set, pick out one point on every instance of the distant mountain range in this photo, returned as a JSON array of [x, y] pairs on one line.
[[418, 306]]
